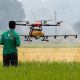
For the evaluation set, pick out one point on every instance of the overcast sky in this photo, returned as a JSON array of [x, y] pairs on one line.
[[67, 10]]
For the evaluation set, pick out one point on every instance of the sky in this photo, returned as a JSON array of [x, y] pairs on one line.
[[10, 10], [67, 11], [32, 10]]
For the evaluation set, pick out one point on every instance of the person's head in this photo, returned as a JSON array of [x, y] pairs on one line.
[[12, 24]]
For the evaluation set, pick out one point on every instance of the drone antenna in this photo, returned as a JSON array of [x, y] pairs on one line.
[[55, 15], [55, 19]]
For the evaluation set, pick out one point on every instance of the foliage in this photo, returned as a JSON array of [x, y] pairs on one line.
[[41, 71]]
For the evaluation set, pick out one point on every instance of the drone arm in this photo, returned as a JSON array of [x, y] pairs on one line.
[[21, 24], [50, 25]]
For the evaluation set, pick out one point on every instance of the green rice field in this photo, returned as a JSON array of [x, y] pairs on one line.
[[41, 71]]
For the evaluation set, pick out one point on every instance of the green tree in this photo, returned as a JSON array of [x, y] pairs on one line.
[[76, 27]]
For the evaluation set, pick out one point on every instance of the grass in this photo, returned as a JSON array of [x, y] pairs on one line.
[[41, 71]]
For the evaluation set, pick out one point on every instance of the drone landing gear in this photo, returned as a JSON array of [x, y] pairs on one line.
[[45, 38], [27, 38]]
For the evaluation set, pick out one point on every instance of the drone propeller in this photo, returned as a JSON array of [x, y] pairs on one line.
[[59, 22], [20, 21], [43, 20], [26, 23]]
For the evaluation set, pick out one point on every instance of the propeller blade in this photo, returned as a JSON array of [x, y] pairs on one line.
[[43, 20]]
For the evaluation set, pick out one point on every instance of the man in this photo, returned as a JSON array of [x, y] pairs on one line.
[[10, 41]]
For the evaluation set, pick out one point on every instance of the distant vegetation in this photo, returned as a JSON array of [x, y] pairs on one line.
[[53, 45], [10, 10], [76, 27]]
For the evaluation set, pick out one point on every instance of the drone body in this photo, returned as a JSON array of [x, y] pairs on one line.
[[37, 32]]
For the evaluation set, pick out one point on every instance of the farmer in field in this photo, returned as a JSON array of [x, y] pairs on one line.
[[10, 41]]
